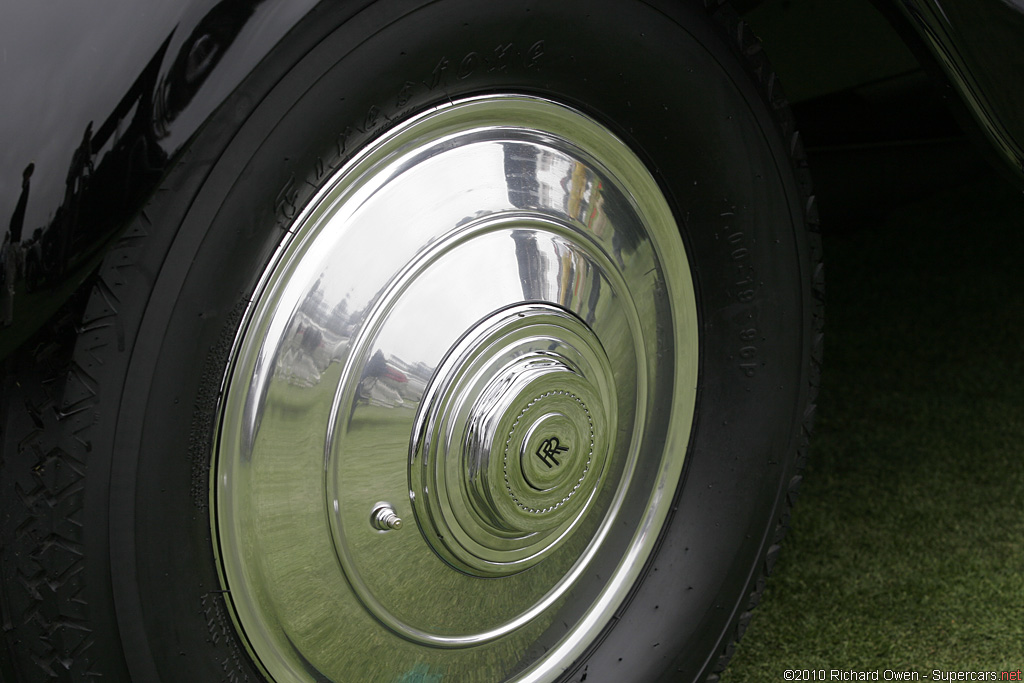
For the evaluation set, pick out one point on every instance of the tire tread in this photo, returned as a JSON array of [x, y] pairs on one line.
[[44, 448]]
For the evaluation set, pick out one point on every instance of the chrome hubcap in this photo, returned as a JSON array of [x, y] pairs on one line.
[[512, 440], [458, 405]]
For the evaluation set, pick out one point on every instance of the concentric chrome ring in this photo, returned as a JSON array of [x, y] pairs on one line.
[[512, 440], [485, 318]]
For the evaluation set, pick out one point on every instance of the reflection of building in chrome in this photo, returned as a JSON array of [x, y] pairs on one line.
[[537, 178]]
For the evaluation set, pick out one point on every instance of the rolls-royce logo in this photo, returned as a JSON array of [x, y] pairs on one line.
[[549, 448]]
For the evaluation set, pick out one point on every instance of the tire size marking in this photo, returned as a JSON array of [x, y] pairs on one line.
[[749, 352], [499, 58], [405, 94], [286, 202], [340, 148], [742, 289]]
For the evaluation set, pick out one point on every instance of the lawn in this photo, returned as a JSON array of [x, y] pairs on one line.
[[907, 548]]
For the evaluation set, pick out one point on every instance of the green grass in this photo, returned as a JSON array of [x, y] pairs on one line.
[[907, 548]]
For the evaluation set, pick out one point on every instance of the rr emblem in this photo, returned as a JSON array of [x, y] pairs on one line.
[[548, 449]]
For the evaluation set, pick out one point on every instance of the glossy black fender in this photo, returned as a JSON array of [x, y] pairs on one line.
[[978, 46], [100, 97]]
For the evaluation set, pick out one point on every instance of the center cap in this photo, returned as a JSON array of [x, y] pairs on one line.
[[555, 437], [512, 440], [552, 448]]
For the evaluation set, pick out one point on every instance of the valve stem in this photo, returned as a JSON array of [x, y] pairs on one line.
[[384, 518]]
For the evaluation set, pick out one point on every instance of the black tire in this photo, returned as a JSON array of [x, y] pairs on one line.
[[106, 550]]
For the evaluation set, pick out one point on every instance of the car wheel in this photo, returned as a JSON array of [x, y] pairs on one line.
[[467, 341]]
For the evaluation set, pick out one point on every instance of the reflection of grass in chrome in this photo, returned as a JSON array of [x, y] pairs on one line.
[[302, 583], [300, 576]]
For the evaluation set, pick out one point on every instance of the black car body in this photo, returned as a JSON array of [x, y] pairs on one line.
[[100, 99]]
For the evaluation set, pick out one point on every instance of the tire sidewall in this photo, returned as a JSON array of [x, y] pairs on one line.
[[663, 79]]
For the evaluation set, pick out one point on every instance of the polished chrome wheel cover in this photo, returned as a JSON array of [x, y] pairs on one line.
[[458, 405]]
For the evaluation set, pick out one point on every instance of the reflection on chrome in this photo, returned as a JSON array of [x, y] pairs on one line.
[[549, 267], [484, 319]]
